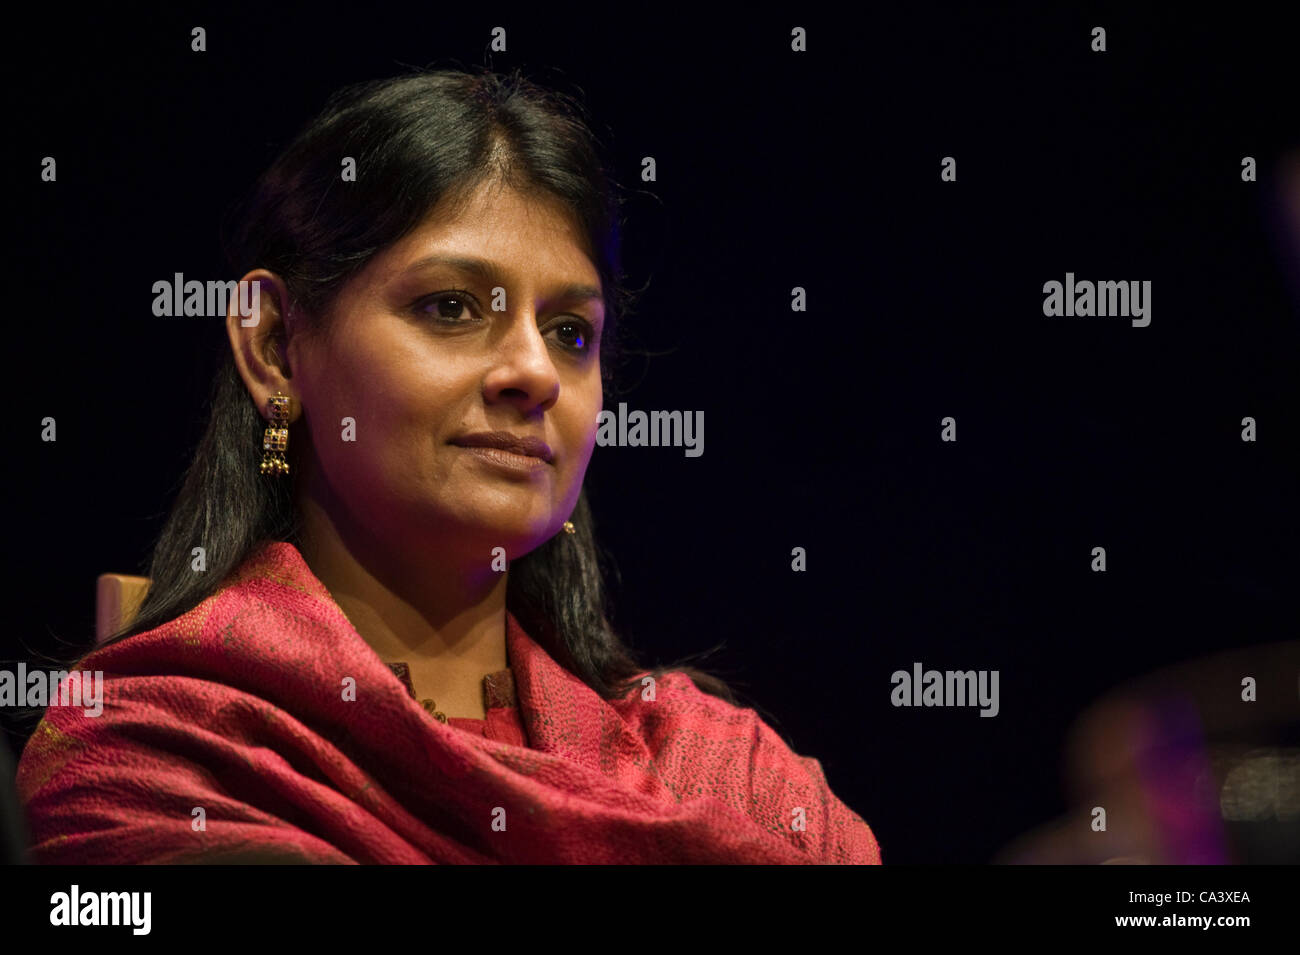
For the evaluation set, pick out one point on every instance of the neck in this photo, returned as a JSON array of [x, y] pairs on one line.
[[445, 617]]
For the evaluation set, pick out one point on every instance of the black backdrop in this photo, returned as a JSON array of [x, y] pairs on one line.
[[775, 170]]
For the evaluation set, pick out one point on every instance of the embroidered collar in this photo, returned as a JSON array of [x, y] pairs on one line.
[[498, 688]]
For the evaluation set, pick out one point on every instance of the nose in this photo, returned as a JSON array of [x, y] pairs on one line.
[[522, 371]]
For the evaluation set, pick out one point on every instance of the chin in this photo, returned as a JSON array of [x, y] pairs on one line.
[[518, 538]]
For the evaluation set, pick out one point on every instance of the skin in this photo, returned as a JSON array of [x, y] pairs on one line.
[[399, 524]]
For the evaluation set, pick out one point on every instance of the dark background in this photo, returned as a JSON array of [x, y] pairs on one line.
[[822, 428]]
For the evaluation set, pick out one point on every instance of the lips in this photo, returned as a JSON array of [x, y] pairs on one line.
[[505, 441]]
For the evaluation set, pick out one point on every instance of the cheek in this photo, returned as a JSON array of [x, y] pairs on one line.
[[586, 413], [588, 443], [581, 441], [581, 425], [354, 433]]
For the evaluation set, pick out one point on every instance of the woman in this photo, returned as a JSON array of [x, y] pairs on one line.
[[377, 635]]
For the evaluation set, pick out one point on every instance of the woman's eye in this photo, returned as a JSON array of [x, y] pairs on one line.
[[445, 306], [575, 336]]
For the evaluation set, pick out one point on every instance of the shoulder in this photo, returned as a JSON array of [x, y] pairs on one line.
[[131, 783], [675, 718], [702, 744], [657, 697]]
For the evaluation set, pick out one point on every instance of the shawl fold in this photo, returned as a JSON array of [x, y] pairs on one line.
[[261, 727]]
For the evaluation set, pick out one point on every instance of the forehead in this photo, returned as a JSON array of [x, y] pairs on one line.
[[522, 233]]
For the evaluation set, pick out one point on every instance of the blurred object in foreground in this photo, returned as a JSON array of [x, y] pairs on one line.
[[1186, 768], [1283, 215], [13, 829]]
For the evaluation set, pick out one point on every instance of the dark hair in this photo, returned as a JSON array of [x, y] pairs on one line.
[[417, 140]]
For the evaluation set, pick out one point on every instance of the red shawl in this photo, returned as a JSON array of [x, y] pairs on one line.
[[237, 708]]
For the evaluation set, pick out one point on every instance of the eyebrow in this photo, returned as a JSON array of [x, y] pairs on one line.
[[488, 272]]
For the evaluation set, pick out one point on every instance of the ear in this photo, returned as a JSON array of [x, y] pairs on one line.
[[257, 326]]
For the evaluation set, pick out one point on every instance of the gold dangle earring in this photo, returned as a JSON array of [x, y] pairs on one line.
[[569, 528], [276, 439]]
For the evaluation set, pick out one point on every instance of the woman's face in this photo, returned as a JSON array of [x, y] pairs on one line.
[[419, 359]]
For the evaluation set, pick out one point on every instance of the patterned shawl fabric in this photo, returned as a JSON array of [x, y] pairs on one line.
[[261, 727]]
